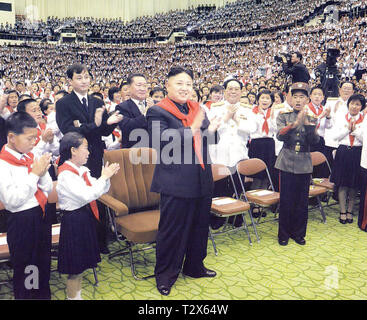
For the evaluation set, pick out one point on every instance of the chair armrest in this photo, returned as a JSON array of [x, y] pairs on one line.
[[119, 207]]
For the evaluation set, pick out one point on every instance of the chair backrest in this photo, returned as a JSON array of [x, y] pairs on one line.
[[131, 185], [220, 171], [317, 158], [251, 166]]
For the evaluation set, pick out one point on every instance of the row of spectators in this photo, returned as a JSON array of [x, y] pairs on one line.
[[248, 57], [242, 15]]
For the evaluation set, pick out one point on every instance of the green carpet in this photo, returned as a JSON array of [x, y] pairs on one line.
[[332, 265]]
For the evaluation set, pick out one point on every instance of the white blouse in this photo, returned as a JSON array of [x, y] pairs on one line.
[[18, 187], [73, 192], [364, 147], [341, 132]]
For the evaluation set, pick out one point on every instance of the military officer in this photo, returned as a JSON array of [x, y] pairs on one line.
[[297, 129]]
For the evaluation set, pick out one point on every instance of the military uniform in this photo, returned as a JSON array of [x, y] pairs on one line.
[[295, 165]]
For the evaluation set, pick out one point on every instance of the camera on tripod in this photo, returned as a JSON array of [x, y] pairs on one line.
[[332, 56], [279, 58]]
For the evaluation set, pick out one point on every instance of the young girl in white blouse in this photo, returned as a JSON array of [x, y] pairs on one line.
[[346, 170], [77, 192], [262, 143]]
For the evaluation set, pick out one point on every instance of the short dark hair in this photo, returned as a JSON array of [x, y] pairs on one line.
[[23, 104], [280, 94], [266, 91], [77, 68], [216, 88], [112, 91], [230, 80], [131, 77], [124, 83], [315, 88], [178, 70], [44, 106], [13, 91], [359, 97], [156, 89], [68, 141], [299, 55], [98, 95], [19, 121], [63, 92], [24, 96]]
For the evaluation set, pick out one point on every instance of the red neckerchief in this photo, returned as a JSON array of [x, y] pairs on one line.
[[316, 113], [11, 109], [27, 162], [39, 132], [116, 133], [93, 204], [265, 127], [209, 104], [360, 119], [187, 120]]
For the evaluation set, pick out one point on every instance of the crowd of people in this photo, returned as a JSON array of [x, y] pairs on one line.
[[57, 120], [239, 16]]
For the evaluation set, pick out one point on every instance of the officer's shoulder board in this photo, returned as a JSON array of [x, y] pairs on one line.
[[218, 104], [279, 106], [244, 105], [287, 110]]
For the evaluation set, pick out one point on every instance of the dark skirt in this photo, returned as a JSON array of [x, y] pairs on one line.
[[264, 149], [78, 245], [346, 169]]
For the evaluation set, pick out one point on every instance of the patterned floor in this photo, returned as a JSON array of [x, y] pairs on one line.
[[332, 265]]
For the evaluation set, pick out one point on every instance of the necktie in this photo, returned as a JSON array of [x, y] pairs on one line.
[[141, 107], [85, 104]]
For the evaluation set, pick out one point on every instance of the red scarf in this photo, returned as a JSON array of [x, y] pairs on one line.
[[265, 127], [116, 133], [351, 137], [316, 113], [11, 109], [209, 104], [27, 162], [39, 132], [187, 120], [93, 204]]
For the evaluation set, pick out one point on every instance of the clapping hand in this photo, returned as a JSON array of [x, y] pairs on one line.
[[3, 102], [110, 170], [116, 117], [98, 116], [41, 165], [214, 124], [47, 135]]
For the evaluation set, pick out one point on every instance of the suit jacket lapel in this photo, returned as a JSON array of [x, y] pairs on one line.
[[134, 108], [79, 105]]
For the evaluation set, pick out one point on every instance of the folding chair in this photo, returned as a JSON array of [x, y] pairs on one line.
[[262, 198], [322, 186], [133, 209], [225, 207]]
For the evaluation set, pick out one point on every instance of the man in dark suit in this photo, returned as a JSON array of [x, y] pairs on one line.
[[134, 110], [296, 68], [86, 115], [183, 177]]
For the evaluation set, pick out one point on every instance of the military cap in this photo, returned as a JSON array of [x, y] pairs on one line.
[[302, 86]]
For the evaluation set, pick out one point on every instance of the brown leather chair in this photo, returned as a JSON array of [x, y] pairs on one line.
[[225, 207], [133, 209], [260, 198]]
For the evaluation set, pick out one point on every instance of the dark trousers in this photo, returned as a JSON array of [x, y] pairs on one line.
[[101, 226], [293, 210], [329, 155], [362, 217], [29, 240], [182, 235]]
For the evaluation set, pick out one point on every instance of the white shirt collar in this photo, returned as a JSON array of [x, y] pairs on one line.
[[81, 97], [80, 170], [16, 154]]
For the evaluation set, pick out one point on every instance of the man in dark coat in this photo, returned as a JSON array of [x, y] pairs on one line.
[[183, 177]]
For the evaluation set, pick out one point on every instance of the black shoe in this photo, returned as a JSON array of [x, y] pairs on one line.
[[300, 241], [342, 221], [283, 242], [257, 213], [105, 250], [164, 290], [206, 273], [349, 220]]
